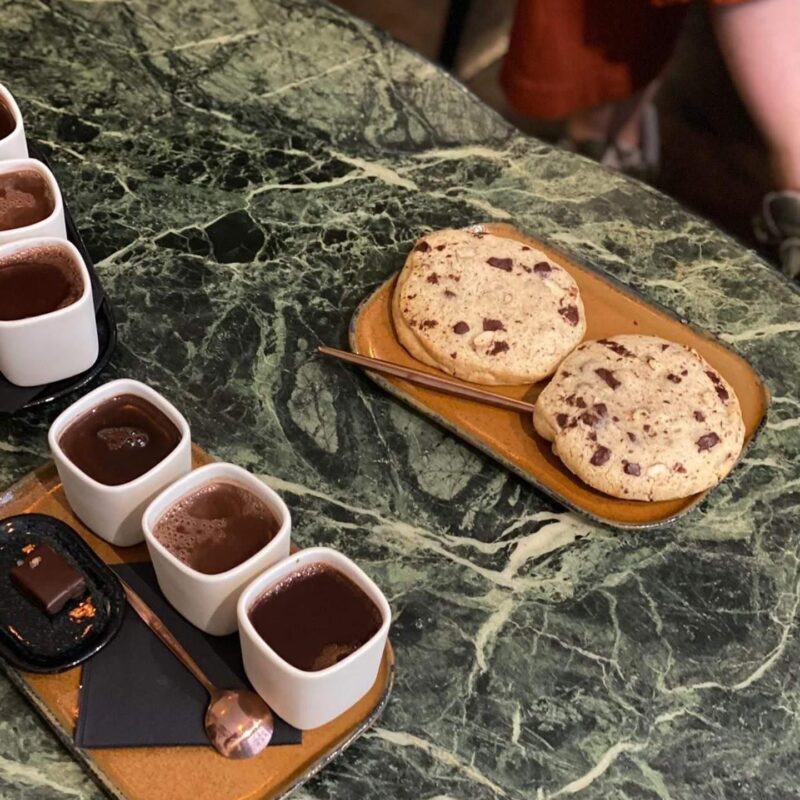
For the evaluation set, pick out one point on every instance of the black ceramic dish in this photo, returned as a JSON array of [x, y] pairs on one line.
[[16, 398], [29, 638]]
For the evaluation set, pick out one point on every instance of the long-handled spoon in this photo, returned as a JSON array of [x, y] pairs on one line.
[[238, 722], [431, 381]]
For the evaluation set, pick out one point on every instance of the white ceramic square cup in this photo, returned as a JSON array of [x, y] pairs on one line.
[[310, 699], [53, 346], [209, 601], [114, 513], [52, 225], [13, 145]]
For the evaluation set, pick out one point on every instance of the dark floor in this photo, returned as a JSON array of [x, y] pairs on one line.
[[712, 158]]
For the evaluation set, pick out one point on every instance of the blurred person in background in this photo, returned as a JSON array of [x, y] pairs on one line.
[[596, 64]]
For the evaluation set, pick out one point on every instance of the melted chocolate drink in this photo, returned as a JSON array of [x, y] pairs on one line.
[[37, 281], [315, 617], [7, 122], [217, 527], [120, 439], [25, 199]]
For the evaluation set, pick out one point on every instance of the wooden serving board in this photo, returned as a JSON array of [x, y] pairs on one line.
[[509, 437], [175, 773]]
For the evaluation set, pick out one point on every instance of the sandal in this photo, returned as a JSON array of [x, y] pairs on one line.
[[642, 162], [778, 225]]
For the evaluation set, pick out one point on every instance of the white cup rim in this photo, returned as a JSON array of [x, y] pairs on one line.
[[33, 242], [311, 555], [93, 398], [179, 489], [11, 103], [15, 164]]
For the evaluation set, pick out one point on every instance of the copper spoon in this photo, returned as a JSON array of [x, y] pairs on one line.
[[412, 375], [238, 722]]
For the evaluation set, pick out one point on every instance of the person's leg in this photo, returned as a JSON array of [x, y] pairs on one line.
[[622, 119], [760, 41]]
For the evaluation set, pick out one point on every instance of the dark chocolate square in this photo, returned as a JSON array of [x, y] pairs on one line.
[[48, 579]]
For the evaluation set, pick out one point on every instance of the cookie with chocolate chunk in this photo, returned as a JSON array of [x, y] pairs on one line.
[[485, 308], [641, 418]]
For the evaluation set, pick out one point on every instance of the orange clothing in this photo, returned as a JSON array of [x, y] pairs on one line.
[[568, 55]]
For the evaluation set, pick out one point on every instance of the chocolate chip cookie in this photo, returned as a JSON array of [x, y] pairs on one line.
[[486, 308], [641, 418]]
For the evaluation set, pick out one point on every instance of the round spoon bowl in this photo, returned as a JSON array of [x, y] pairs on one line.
[[239, 723]]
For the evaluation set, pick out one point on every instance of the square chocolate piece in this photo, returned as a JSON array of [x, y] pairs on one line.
[[48, 579]]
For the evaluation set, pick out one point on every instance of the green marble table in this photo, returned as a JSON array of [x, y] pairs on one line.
[[244, 173]]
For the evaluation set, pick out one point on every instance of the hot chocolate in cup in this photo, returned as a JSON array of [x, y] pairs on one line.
[[48, 328], [313, 629], [115, 449], [30, 201], [12, 131], [209, 535]]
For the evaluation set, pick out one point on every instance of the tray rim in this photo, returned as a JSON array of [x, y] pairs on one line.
[[82, 755], [616, 284], [356, 733]]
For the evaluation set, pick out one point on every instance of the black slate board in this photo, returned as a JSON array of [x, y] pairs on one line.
[[16, 398], [29, 638]]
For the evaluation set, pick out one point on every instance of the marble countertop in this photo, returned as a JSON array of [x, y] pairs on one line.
[[244, 173]]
